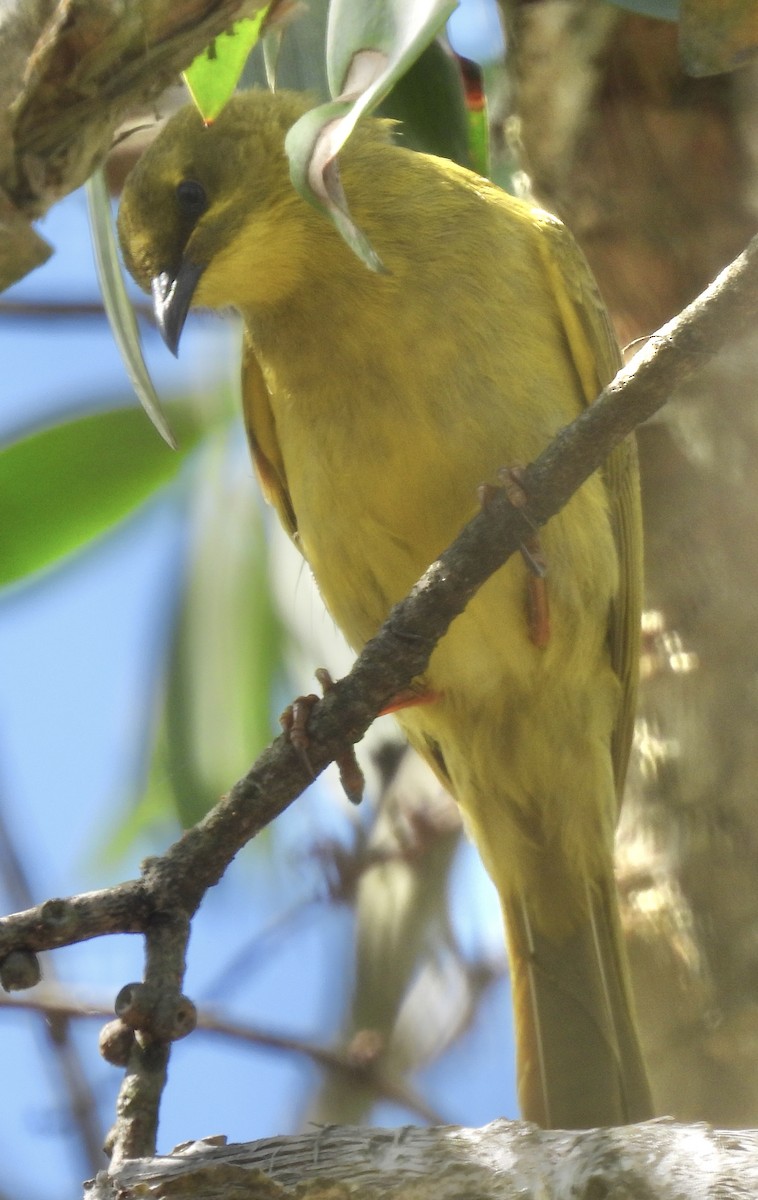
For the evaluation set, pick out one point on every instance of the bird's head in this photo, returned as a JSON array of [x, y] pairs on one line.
[[209, 216]]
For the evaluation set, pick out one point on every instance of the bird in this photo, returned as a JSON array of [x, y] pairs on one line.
[[376, 404]]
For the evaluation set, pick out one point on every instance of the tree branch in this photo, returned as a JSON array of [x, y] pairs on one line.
[[503, 1160], [69, 73]]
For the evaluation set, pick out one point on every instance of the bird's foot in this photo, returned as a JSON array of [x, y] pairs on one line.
[[294, 721], [537, 604]]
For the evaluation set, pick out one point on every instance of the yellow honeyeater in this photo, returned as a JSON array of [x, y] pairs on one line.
[[375, 405]]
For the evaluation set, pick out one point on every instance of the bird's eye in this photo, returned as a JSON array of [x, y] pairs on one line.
[[192, 198]]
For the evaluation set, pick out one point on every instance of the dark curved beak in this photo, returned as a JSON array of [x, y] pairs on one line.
[[172, 297]]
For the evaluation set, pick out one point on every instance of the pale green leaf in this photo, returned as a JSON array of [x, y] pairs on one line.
[[215, 709], [213, 76], [118, 306], [369, 48]]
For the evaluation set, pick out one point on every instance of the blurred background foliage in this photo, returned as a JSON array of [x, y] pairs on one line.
[[358, 951]]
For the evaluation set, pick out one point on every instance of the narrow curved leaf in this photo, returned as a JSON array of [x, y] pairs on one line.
[[118, 306], [360, 36], [313, 168], [369, 48]]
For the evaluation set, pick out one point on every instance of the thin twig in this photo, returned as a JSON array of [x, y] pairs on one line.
[[49, 310], [57, 1003], [73, 1077]]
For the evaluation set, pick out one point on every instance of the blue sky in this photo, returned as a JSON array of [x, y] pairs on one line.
[[80, 655]]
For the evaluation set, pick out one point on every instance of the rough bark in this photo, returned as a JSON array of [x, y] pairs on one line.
[[69, 73], [503, 1161]]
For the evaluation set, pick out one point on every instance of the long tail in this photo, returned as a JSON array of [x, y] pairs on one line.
[[578, 1055]]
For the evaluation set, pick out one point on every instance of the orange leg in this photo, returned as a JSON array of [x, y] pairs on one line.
[[409, 698]]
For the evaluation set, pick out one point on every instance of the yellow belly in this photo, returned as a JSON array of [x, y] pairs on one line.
[[521, 729], [383, 454]]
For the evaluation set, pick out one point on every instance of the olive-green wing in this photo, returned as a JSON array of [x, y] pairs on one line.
[[597, 358], [263, 440]]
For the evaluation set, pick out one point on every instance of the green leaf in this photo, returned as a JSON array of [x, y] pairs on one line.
[[227, 651], [430, 103], [68, 484], [311, 157], [212, 77], [369, 48], [478, 116], [118, 306]]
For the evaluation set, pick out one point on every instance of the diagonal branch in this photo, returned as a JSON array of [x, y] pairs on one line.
[[161, 903]]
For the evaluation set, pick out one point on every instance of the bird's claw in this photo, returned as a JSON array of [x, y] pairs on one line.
[[294, 721], [537, 605]]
